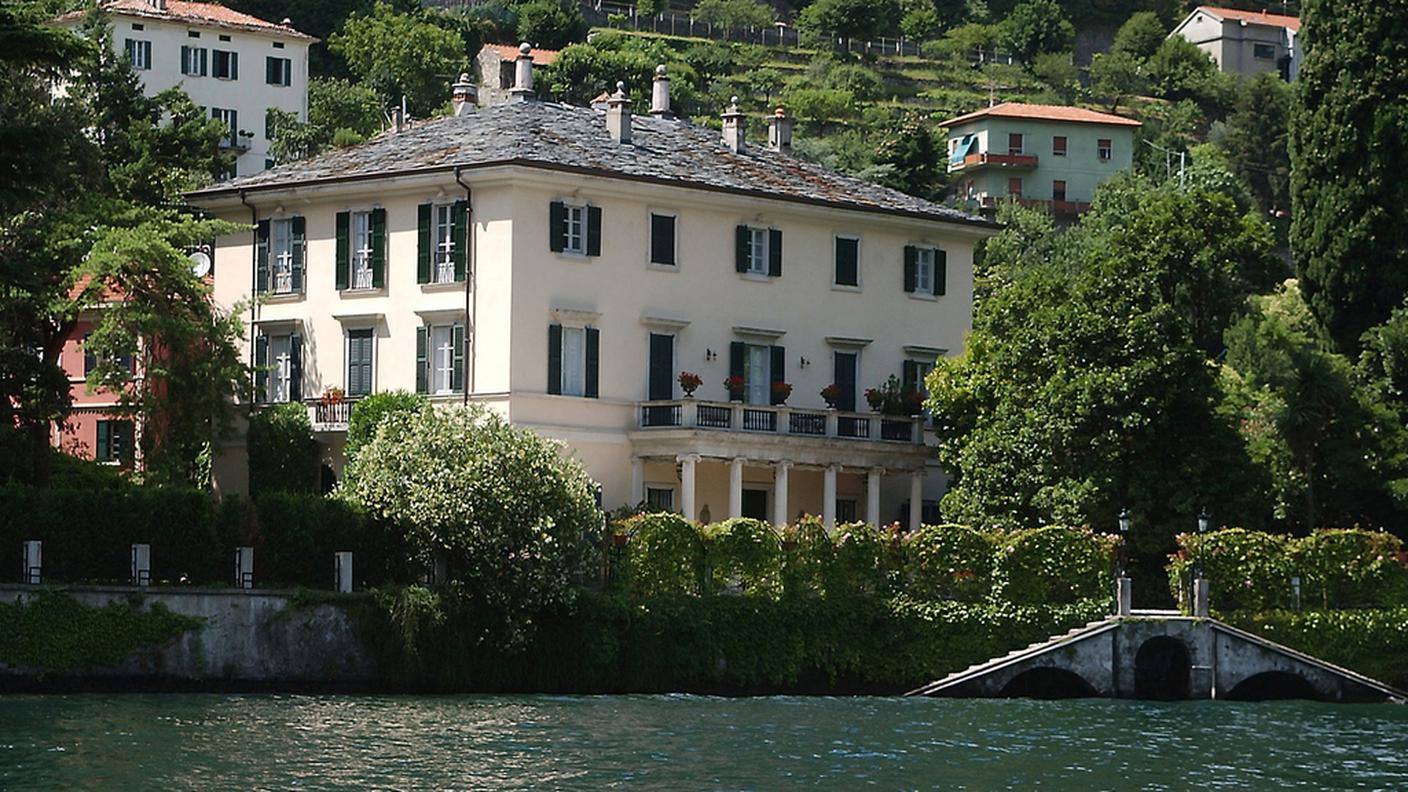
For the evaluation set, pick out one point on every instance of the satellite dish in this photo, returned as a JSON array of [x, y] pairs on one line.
[[200, 263]]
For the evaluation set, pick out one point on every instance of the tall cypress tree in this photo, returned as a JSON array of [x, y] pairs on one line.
[[1349, 155]]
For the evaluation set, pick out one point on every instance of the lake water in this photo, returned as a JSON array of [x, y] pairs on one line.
[[227, 742]]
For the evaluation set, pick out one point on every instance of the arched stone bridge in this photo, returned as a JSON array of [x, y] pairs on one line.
[[1160, 655]]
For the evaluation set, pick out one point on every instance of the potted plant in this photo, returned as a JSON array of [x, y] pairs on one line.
[[689, 383], [832, 395], [781, 391], [331, 395], [734, 386], [913, 402], [875, 398]]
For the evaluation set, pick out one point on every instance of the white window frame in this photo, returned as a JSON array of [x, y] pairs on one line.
[[359, 239], [347, 360], [280, 367], [1105, 153], [197, 63], [650, 239], [440, 338], [139, 52], [281, 255], [758, 251], [442, 235], [1021, 147], [924, 270], [574, 228], [231, 63], [231, 119], [1065, 145], [665, 488], [573, 380], [923, 366], [284, 72], [757, 392], [834, 261]]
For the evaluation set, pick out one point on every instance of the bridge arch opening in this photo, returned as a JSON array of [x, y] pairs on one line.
[[1274, 686], [1047, 682], [1161, 669]]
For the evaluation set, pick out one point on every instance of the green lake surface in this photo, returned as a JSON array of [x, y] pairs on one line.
[[677, 742]]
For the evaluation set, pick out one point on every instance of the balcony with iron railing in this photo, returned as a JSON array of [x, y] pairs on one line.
[[330, 415], [990, 159], [760, 419]]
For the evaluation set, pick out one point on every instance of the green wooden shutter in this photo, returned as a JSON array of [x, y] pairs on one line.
[[234, 65], [126, 441], [593, 230], [185, 59], [261, 265], [425, 246], [844, 364], [737, 359], [422, 360], [378, 248], [343, 265], [940, 272], [104, 443], [847, 262], [261, 368], [298, 246], [269, 76], [460, 236], [295, 368], [661, 378], [911, 267], [554, 358], [740, 248], [774, 253], [557, 226], [457, 357], [593, 362], [777, 372], [910, 377]]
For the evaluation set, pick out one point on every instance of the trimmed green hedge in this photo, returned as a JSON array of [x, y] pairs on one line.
[[1372, 642]]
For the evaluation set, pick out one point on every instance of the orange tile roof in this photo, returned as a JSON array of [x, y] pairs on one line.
[[200, 13], [541, 57], [1038, 112], [1253, 17]]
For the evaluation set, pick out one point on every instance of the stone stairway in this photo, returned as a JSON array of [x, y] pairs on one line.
[[1016, 655]]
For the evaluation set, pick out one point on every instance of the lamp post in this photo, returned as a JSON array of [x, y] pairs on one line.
[[1200, 584], [1123, 588]]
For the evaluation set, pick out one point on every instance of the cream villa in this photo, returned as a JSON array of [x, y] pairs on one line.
[[564, 266]]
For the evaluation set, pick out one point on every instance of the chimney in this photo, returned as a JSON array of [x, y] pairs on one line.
[[522, 89], [464, 95], [780, 131], [660, 94], [398, 120], [734, 128], [618, 115]]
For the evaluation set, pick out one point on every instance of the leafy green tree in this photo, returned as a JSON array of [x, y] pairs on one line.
[[1256, 141], [551, 24], [920, 21], [916, 157], [1037, 26], [1059, 73], [1349, 227], [369, 412], [1179, 70], [830, 21], [283, 457], [1116, 76], [402, 54], [334, 105], [820, 106], [734, 14], [1140, 36], [510, 515]]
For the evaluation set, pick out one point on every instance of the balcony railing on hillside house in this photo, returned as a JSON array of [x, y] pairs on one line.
[[780, 420], [330, 416], [990, 159], [1056, 207]]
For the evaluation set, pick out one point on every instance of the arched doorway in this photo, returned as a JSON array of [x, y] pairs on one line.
[[1161, 669], [1047, 683], [1274, 686]]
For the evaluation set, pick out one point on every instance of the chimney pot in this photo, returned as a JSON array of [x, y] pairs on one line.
[[734, 134], [464, 95], [523, 74], [660, 94], [618, 115], [780, 131]]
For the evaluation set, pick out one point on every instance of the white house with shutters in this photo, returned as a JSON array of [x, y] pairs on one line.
[[235, 66], [568, 267]]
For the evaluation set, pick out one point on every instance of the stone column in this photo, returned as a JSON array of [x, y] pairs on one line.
[[1200, 598], [916, 499], [828, 498], [872, 496], [1124, 596], [637, 481], [779, 494], [735, 488], [687, 463]]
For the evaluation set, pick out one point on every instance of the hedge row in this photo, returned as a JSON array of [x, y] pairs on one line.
[[88, 534], [619, 642], [1253, 570], [1373, 642], [666, 554]]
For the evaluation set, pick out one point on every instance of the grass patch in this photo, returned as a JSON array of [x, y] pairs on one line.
[[55, 632]]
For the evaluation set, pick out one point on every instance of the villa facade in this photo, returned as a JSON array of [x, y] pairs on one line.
[[1246, 43], [564, 266]]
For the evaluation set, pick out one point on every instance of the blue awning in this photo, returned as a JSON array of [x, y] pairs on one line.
[[968, 145]]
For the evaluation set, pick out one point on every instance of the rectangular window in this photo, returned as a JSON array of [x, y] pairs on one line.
[[90, 360], [757, 369], [1058, 146], [281, 368], [281, 255], [269, 130], [442, 361], [574, 356], [924, 271], [278, 71], [845, 373], [1104, 149], [114, 444], [660, 369], [139, 52], [847, 270], [1014, 186], [227, 65], [361, 250], [845, 510], [231, 120], [1058, 190], [575, 237], [573, 360], [659, 499], [1014, 143], [1264, 51], [192, 34], [443, 234], [662, 239], [915, 371], [278, 45], [195, 61], [360, 344], [758, 251]]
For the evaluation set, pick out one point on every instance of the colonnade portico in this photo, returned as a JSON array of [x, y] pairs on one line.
[[687, 470]]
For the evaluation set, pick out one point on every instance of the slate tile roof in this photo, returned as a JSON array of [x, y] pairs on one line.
[[563, 137], [200, 13], [1040, 112]]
